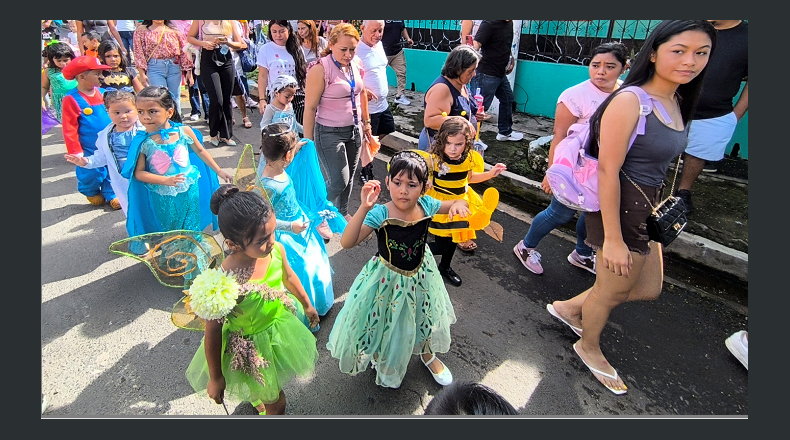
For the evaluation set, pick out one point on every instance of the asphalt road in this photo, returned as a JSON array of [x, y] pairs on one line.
[[108, 347]]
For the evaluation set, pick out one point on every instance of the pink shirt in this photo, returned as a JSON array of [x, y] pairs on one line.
[[582, 100], [334, 107]]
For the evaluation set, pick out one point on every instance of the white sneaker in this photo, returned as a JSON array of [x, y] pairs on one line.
[[251, 103], [195, 117], [233, 103], [402, 100], [513, 136], [738, 344]]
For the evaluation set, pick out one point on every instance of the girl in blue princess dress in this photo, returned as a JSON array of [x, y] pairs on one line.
[[296, 230], [171, 175]]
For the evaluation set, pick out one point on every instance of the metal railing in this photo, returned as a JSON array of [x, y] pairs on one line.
[[554, 41]]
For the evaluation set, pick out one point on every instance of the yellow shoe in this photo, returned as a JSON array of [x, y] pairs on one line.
[[97, 200], [115, 204]]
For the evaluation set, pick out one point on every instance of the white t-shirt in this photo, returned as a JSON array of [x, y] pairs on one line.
[[374, 61], [582, 100], [277, 60], [125, 25]]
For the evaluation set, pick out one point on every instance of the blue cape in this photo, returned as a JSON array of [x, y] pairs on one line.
[[140, 214]]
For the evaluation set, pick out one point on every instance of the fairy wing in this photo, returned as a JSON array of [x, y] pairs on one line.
[[246, 177], [175, 258]]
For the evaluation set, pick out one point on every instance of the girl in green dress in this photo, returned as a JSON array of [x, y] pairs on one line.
[[57, 55], [265, 324], [398, 305]]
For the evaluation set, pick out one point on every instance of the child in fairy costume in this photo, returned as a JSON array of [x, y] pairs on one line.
[[454, 165], [306, 250], [265, 326], [398, 305]]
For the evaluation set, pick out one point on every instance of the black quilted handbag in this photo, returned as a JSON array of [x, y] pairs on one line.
[[668, 219]]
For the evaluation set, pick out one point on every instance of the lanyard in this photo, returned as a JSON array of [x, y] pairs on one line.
[[352, 83]]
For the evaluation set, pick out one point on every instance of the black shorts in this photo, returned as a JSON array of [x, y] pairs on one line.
[[382, 123], [634, 211]]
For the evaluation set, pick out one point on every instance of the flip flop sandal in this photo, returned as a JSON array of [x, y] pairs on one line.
[[247, 123], [554, 313], [596, 371]]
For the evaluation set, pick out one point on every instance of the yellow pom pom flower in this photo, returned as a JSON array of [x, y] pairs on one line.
[[213, 294]]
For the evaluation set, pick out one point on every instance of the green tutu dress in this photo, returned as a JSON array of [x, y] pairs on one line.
[[278, 335], [398, 305]]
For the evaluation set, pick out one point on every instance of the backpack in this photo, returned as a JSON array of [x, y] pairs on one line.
[[248, 57], [573, 175]]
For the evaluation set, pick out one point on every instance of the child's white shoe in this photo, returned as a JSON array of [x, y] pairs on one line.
[[445, 377]]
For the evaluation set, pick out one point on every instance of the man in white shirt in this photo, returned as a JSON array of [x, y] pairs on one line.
[[371, 52]]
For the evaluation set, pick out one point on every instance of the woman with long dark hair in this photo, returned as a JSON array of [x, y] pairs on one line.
[[217, 38], [282, 55], [670, 69]]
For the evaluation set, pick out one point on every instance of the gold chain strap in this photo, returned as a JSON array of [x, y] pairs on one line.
[[655, 208]]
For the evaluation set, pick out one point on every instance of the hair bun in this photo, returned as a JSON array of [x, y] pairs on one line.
[[223, 193]]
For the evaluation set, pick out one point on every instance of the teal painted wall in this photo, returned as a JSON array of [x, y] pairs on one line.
[[532, 97]]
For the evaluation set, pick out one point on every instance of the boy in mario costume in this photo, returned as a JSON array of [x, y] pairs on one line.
[[84, 116]]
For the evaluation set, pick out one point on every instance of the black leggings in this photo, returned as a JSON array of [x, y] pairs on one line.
[[219, 81], [445, 247]]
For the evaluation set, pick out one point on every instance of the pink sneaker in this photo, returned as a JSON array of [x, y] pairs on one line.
[[586, 263], [530, 258]]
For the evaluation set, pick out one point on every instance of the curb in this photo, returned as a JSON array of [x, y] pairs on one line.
[[689, 247]]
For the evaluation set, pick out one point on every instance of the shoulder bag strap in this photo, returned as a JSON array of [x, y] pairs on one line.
[[157, 45]]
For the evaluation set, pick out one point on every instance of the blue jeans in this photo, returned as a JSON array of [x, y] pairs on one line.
[[126, 40], [554, 215], [498, 86], [166, 73], [198, 94]]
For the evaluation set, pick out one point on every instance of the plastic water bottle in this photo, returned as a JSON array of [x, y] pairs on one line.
[[479, 99]]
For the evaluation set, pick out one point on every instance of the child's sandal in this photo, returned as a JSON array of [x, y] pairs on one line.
[[467, 246]]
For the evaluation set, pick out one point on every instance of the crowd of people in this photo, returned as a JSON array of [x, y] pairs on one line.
[[324, 105]]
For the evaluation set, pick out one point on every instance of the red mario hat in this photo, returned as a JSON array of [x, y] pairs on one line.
[[82, 64]]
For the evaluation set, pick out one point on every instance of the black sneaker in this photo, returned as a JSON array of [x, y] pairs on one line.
[[450, 275], [710, 167], [685, 195]]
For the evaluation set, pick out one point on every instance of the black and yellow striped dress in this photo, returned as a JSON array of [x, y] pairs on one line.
[[451, 182]]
